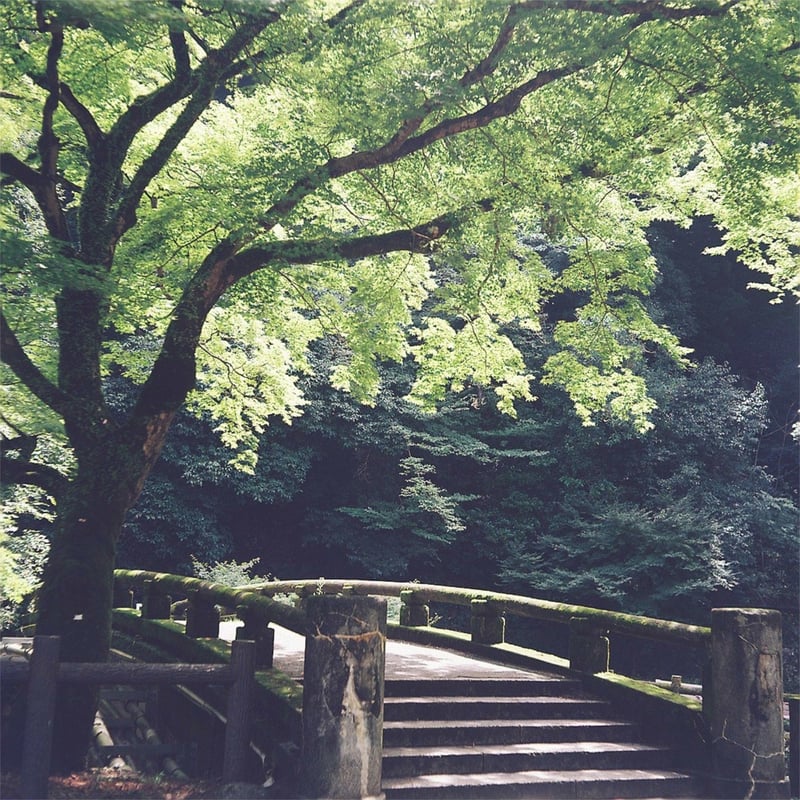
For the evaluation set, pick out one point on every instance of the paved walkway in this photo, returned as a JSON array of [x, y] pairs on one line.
[[404, 661]]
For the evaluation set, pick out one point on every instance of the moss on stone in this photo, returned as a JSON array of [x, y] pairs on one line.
[[650, 689]]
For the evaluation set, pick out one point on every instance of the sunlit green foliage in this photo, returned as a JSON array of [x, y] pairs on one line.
[[197, 194], [656, 116]]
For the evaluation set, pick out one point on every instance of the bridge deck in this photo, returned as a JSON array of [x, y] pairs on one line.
[[404, 661]]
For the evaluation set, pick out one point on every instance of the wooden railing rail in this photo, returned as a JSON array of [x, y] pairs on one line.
[[45, 671]]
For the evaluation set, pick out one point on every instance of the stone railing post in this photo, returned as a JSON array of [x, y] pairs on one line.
[[256, 630], [343, 678], [414, 612], [745, 704], [156, 603], [589, 649], [202, 617], [123, 596], [487, 625]]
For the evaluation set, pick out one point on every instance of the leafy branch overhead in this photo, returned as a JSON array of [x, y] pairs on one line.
[[270, 158]]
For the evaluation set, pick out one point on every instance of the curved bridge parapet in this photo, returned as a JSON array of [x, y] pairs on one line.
[[742, 683]]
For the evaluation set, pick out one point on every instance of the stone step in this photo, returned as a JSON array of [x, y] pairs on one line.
[[425, 733], [496, 738], [585, 783], [495, 687], [408, 761], [486, 707]]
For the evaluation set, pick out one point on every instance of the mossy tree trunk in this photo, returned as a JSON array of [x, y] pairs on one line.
[[75, 604], [113, 458], [75, 600]]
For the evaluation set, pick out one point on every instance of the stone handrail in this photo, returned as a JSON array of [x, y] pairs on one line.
[[744, 713], [517, 605], [258, 598], [244, 599]]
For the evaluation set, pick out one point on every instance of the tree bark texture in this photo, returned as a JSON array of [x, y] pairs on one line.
[[76, 597]]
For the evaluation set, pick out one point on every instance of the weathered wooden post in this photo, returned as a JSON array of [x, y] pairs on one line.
[[745, 704], [414, 611], [239, 709], [589, 648], [41, 704], [343, 697], [202, 617], [487, 625]]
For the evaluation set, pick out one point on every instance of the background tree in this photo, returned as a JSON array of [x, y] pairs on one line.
[[232, 180]]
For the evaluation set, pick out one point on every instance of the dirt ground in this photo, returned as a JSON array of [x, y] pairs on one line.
[[107, 784]]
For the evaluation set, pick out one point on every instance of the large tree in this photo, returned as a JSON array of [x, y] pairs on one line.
[[198, 189]]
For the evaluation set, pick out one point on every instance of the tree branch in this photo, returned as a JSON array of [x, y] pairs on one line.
[[13, 355], [29, 473], [404, 142], [23, 442], [180, 50], [91, 130], [472, 76], [174, 372], [400, 145], [419, 239], [488, 65], [202, 84], [17, 170], [648, 9], [48, 144], [342, 15]]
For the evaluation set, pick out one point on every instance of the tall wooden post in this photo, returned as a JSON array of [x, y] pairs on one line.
[[240, 700], [38, 742]]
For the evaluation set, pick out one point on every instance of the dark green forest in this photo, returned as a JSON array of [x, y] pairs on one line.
[[700, 511]]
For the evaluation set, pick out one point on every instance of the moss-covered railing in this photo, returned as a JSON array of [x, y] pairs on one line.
[[415, 597], [158, 590], [742, 648], [589, 627], [486, 605]]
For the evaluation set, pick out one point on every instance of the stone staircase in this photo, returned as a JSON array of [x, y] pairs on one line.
[[517, 738]]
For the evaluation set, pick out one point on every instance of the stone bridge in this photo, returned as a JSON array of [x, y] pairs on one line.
[[348, 705]]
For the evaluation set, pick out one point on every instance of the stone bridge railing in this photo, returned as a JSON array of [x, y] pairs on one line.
[[344, 622]]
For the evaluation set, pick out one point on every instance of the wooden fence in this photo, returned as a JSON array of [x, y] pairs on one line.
[[45, 672]]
